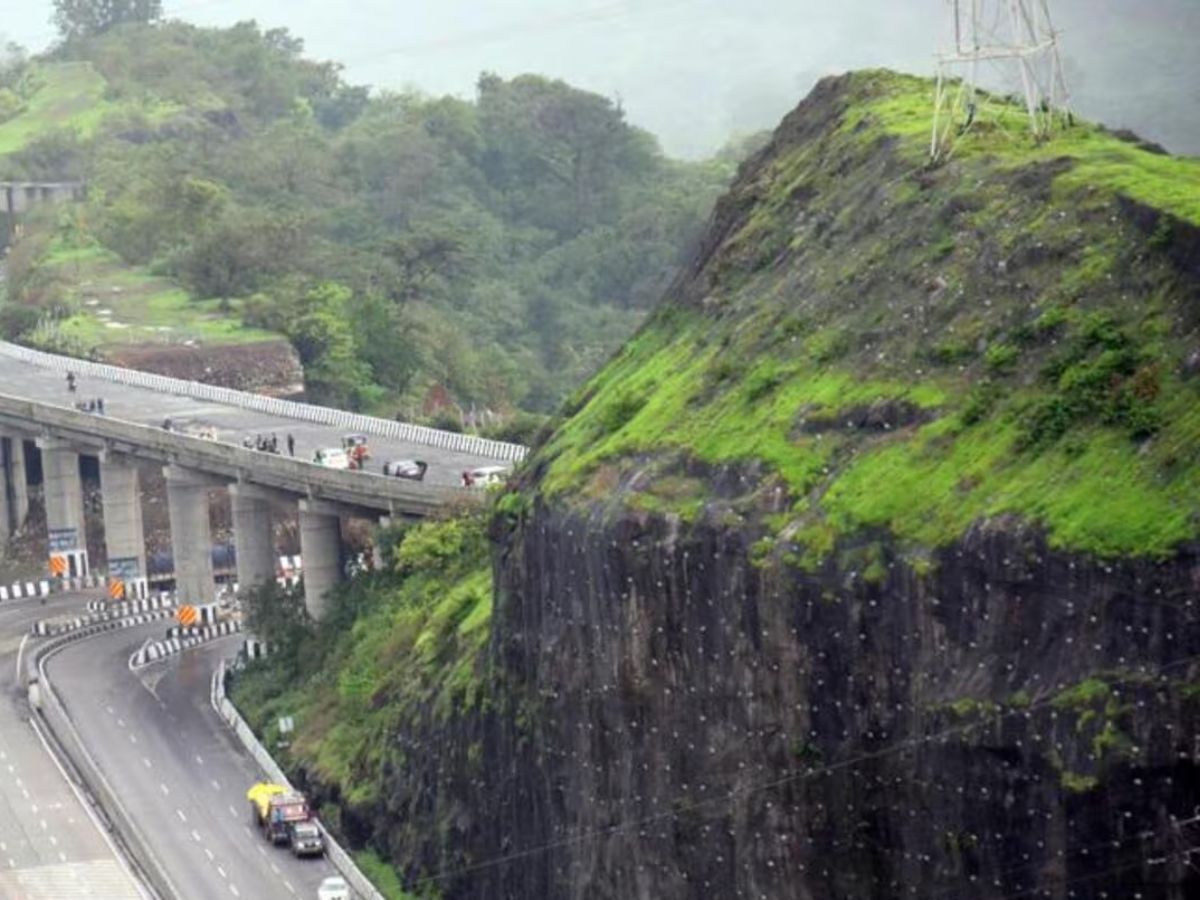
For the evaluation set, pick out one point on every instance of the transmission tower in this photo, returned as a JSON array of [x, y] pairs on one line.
[[1013, 39]]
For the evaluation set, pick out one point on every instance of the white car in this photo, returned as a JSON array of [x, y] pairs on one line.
[[333, 888], [332, 458], [412, 469], [485, 476]]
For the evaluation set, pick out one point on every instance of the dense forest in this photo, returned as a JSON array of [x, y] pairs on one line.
[[497, 248]]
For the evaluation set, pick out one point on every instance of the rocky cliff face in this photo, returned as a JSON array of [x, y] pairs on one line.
[[1017, 723], [869, 569]]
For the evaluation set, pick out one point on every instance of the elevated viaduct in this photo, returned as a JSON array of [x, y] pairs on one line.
[[37, 416]]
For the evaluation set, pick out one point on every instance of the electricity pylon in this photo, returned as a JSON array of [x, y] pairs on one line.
[[1010, 35]]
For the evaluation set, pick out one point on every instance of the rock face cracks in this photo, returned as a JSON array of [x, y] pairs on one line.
[[1011, 721]]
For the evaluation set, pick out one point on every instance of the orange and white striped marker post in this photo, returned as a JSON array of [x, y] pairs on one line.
[[58, 565], [116, 589], [187, 616]]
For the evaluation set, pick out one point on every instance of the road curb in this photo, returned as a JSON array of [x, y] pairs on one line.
[[48, 712], [342, 861], [184, 639]]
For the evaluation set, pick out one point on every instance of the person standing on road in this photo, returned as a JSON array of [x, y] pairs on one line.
[[291, 442]]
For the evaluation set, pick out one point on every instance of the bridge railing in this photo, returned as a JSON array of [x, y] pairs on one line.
[[321, 415]]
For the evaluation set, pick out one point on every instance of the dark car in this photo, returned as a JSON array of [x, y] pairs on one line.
[[412, 469]]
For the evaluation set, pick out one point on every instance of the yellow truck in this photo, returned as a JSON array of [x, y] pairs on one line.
[[284, 817]]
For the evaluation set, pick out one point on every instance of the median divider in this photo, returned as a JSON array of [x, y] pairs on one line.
[[341, 860], [179, 639]]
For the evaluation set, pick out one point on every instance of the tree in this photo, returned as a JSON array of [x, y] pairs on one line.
[[82, 18]]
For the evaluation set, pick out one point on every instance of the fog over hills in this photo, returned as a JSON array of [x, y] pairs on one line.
[[696, 72]]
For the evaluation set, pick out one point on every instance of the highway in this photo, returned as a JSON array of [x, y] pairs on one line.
[[233, 424], [179, 772], [50, 848]]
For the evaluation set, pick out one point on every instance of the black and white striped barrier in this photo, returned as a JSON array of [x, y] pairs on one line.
[[43, 628], [23, 590], [153, 651], [125, 607], [253, 648], [322, 415]]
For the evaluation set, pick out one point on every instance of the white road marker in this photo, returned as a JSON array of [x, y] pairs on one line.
[[182, 817], [146, 760], [62, 856], [199, 759], [209, 854], [233, 889], [120, 721], [133, 738], [45, 827], [233, 812], [195, 835], [275, 869], [53, 841], [288, 885], [220, 871], [216, 785], [164, 789]]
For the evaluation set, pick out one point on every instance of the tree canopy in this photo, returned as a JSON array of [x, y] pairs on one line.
[[83, 18]]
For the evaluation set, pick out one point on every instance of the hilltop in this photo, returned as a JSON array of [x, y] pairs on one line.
[[874, 343], [866, 568], [421, 255]]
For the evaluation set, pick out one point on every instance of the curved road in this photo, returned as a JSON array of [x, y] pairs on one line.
[[178, 770], [50, 847]]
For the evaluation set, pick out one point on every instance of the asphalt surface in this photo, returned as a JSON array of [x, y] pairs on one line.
[[180, 773], [50, 848], [233, 424]]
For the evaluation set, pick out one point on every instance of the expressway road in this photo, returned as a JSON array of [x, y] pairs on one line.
[[180, 773], [50, 847], [147, 407]]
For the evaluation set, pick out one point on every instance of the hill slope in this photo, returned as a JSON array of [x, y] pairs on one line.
[[868, 569]]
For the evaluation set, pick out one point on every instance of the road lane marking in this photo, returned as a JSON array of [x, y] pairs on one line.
[[53, 841], [216, 785], [33, 808], [45, 827], [220, 871], [288, 885], [164, 789], [209, 854], [146, 760], [62, 856], [120, 721], [195, 835], [133, 738], [233, 812], [233, 889], [261, 851], [275, 869], [199, 759], [182, 817]]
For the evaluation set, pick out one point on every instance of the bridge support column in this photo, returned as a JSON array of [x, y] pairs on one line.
[[191, 536], [376, 550], [14, 492], [321, 551], [62, 487], [124, 537], [253, 534]]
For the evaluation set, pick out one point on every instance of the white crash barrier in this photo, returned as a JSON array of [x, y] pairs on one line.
[[341, 860], [321, 415]]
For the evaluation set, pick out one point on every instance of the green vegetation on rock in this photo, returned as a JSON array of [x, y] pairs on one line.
[[917, 349]]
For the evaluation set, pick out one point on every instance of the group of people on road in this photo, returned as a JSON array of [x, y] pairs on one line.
[[270, 444], [95, 405]]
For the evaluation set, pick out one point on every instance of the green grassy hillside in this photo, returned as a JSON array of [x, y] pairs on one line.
[[909, 350], [62, 96]]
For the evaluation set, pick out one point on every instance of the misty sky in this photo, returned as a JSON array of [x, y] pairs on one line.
[[696, 72]]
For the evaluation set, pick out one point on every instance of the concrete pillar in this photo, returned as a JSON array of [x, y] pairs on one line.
[[63, 489], [376, 551], [124, 537], [253, 534], [321, 552], [191, 537], [18, 479]]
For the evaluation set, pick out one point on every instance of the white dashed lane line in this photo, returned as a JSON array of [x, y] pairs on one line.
[[233, 890], [162, 787], [146, 760], [182, 817], [195, 835], [288, 885]]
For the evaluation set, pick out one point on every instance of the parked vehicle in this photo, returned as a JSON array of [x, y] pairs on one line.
[[412, 469], [485, 476], [307, 839], [332, 458], [276, 811], [333, 888]]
